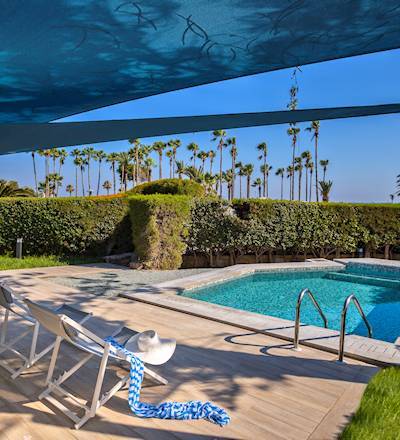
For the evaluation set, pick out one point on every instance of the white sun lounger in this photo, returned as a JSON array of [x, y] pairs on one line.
[[83, 339], [14, 306]]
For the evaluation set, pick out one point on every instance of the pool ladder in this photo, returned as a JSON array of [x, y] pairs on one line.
[[350, 299]]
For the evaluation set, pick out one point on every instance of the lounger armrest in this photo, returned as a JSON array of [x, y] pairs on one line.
[[84, 331]]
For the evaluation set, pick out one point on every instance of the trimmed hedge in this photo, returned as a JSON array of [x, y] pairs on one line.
[[65, 226], [261, 227], [159, 229], [170, 186]]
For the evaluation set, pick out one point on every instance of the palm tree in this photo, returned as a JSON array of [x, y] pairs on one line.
[[123, 160], [54, 153], [209, 182], [211, 156], [248, 171], [391, 197], [159, 147], [107, 186], [258, 183], [314, 128], [55, 181], [281, 172], [134, 153], [75, 153], [62, 155], [180, 168], [325, 188], [112, 158], [239, 166], [70, 189], [264, 151], [170, 155], [174, 144], [324, 164], [149, 164], [306, 155], [10, 188], [309, 166], [221, 135], [34, 171], [293, 132], [290, 176], [232, 142], [265, 169], [193, 148], [203, 155], [89, 153], [99, 156], [80, 163], [227, 178], [299, 168], [46, 154]]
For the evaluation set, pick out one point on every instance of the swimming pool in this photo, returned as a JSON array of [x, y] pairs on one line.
[[275, 294]]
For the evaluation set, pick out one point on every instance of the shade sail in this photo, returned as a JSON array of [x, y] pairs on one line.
[[25, 137], [62, 57]]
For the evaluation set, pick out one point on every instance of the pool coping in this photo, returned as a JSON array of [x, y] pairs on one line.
[[164, 295]]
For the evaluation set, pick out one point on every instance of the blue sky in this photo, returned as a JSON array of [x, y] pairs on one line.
[[363, 152]]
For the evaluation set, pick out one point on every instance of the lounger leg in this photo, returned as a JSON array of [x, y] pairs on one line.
[[53, 359], [99, 382], [4, 327]]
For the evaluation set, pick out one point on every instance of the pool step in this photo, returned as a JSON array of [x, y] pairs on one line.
[[363, 279]]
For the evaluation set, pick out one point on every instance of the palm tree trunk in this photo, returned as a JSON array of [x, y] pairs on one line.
[[160, 164], [233, 177], [211, 166], [266, 184], [316, 167], [88, 177], [310, 197], [47, 190], [76, 181], [98, 179], [292, 179], [240, 186], [282, 187], [259, 191], [83, 183], [170, 168], [306, 185], [265, 176], [299, 185], [34, 171], [248, 186], [324, 174], [114, 177], [220, 167]]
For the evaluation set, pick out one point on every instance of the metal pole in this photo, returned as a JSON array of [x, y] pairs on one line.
[[18, 248]]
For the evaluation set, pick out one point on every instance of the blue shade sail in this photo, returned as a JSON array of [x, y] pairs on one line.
[[26, 137], [60, 57]]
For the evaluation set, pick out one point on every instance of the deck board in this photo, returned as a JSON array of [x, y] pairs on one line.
[[271, 391]]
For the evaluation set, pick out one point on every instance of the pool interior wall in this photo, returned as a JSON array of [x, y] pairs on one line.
[[275, 294]]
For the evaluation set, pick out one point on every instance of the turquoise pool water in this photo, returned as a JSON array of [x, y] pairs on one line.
[[276, 294]]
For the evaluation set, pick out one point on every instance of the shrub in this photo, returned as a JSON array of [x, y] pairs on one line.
[[65, 226], [267, 226], [159, 229], [170, 186]]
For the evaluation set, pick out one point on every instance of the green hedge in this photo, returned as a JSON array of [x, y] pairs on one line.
[[266, 226], [159, 229], [65, 226], [170, 186]]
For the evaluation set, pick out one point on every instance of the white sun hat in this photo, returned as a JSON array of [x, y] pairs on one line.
[[150, 348]]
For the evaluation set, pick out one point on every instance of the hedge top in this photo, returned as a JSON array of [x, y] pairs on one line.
[[169, 186]]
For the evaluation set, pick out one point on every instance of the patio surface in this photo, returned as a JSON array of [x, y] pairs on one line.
[[270, 391]]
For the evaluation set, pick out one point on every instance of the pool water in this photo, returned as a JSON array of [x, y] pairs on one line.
[[276, 293]]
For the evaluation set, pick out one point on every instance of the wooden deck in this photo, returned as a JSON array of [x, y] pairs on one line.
[[270, 391]]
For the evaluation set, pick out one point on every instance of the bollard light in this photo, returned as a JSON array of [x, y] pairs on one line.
[[18, 248]]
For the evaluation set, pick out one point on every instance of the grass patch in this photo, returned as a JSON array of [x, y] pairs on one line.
[[9, 263], [378, 416]]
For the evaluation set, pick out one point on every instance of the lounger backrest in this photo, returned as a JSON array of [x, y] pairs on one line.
[[6, 298], [50, 320]]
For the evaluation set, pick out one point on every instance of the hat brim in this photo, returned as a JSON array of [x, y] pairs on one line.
[[157, 355]]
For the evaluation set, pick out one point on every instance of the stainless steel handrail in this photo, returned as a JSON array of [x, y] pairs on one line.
[[349, 299], [297, 321]]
